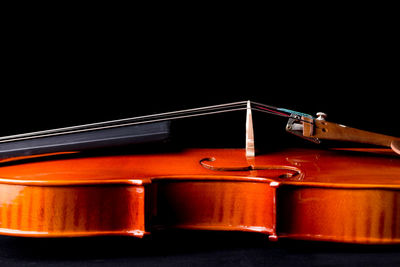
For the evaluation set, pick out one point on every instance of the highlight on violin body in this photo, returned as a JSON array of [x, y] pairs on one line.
[[49, 189]]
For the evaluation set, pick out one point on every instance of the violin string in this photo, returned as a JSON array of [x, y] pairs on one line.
[[273, 112], [98, 124], [193, 112], [130, 121], [277, 111]]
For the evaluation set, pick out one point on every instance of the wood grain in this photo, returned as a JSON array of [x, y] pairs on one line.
[[341, 196], [334, 131]]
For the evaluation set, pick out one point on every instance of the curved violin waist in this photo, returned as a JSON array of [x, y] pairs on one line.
[[304, 194]]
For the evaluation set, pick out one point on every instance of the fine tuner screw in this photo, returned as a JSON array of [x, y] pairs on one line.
[[321, 116]]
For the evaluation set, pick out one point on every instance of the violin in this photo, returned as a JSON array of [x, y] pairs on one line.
[[50, 186]]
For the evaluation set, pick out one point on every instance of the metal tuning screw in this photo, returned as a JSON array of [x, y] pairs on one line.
[[321, 116]]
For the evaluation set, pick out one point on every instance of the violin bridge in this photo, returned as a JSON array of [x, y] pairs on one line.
[[250, 149]]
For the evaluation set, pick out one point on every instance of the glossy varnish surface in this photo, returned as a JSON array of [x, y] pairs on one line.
[[341, 214], [137, 194], [71, 211]]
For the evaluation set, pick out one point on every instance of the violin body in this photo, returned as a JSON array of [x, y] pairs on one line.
[[327, 195]]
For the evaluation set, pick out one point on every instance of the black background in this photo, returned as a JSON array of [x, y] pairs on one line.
[[70, 74], [74, 69]]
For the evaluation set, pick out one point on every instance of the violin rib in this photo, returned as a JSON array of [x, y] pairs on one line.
[[136, 195], [337, 195]]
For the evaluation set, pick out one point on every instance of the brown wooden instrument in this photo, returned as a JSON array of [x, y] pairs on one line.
[[348, 195]]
